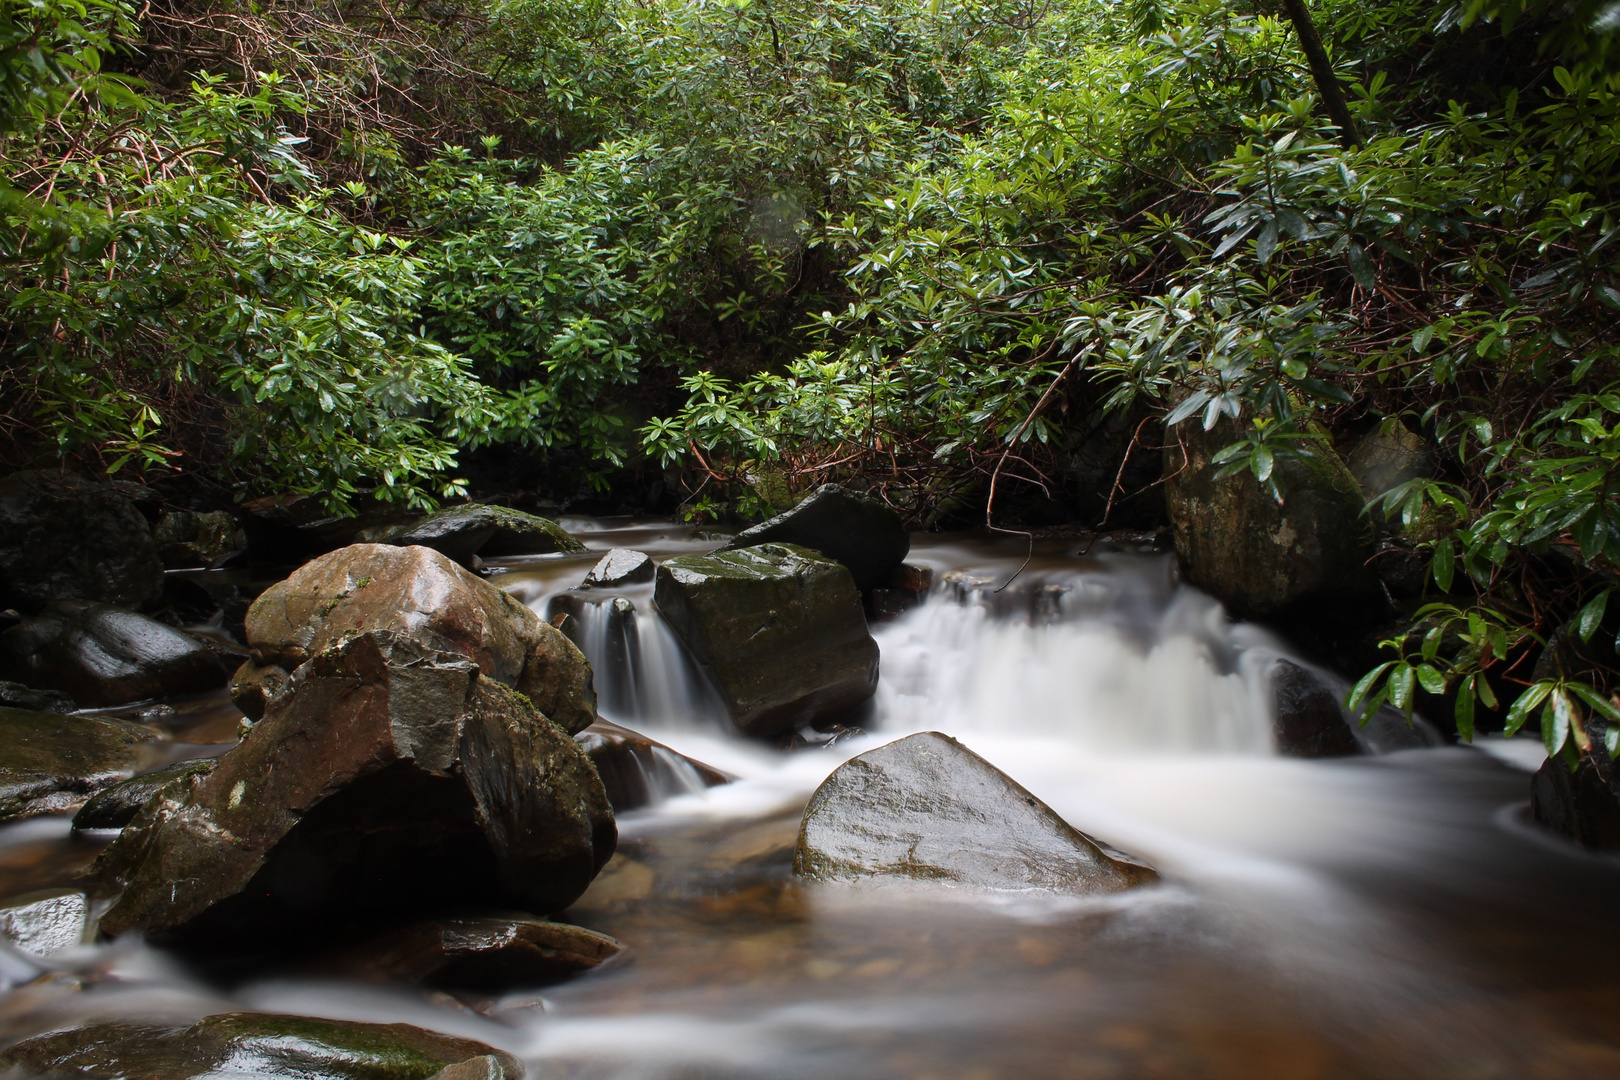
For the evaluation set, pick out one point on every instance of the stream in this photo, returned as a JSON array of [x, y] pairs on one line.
[[1392, 915]]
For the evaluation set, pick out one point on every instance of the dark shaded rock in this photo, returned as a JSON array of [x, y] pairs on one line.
[[637, 771], [391, 781], [925, 809], [1308, 722], [15, 695], [104, 655], [777, 629], [250, 1044], [65, 537], [284, 530], [621, 566], [186, 539], [1584, 803], [478, 953], [856, 530], [255, 685], [50, 763], [490, 532], [46, 921], [1257, 557], [1383, 461], [904, 589], [117, 805], [421, 593]]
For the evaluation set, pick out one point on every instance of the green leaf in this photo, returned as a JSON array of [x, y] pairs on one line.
[[1358, 693], [1430, 679], [1555, 720], [1443, 564], [1520, 712], [1590, 617], [1464, 711], [1361, 267], [1266, 243]]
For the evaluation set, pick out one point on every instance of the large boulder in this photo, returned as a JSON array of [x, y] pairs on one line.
[[489, 532], [845, 526], [102, 655], [1257, 556], [390, 780], [65, 537], [50, 763], [418, 592], [927, 810], [778, 630], [253, 1044]]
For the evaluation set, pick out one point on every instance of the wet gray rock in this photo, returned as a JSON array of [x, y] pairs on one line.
[[252, 1044], [620, 566], [927, 810], [46, 921], [637, 771], [778, 630], [50, 763], [102, 655], [187, 539], [116, 806], [390, 781], [423, 594], [845, 526], [14, 695], [1257, 557], [490, 532], [1308, 721], [487, 953], [66, 537]]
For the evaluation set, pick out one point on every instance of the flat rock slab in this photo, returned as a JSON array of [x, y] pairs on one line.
[[253, 1045], [845, 526], [778, 629], [117, 806], [102, 655], [479, 953], [50, 762], [927, 810]]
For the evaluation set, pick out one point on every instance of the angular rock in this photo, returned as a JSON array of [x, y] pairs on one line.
[[187, 539], [65, 537], [103, 655], [1583, 804], [620, 566], [1308, 722], [778, 630], [845, 526], [14, 695], [254, 686], [423, 594], [116, 806], [636, 771], [1258, 557], [926, 809], [251, 1044], [50, 763], [490, 532], [478, 953], [46, 921], [391, 781]]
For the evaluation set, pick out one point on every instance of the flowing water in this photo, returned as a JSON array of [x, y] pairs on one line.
[[1388, 916]]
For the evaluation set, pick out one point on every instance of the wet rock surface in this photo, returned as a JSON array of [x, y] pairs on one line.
[[50, 763], [14, 695], [1582, 804], [116, 806], [66, 537], [927, 810], [489, 532], [1258, 557], [102, 655], [845, 526], [620, 566], [487, 953], [1308, 722], [391, 780], [423, 594], [46, 921], [638, 771], [251, 1044], [777, 628]]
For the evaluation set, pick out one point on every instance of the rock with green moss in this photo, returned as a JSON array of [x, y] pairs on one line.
[[50, 762], [390, 782], [1256, 555], [253, 1044], [926, 810], [424, 595], [777, 628], [117, 806], [490, 532]]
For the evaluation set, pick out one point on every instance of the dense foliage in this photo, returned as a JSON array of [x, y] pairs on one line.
[[948, 251]]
